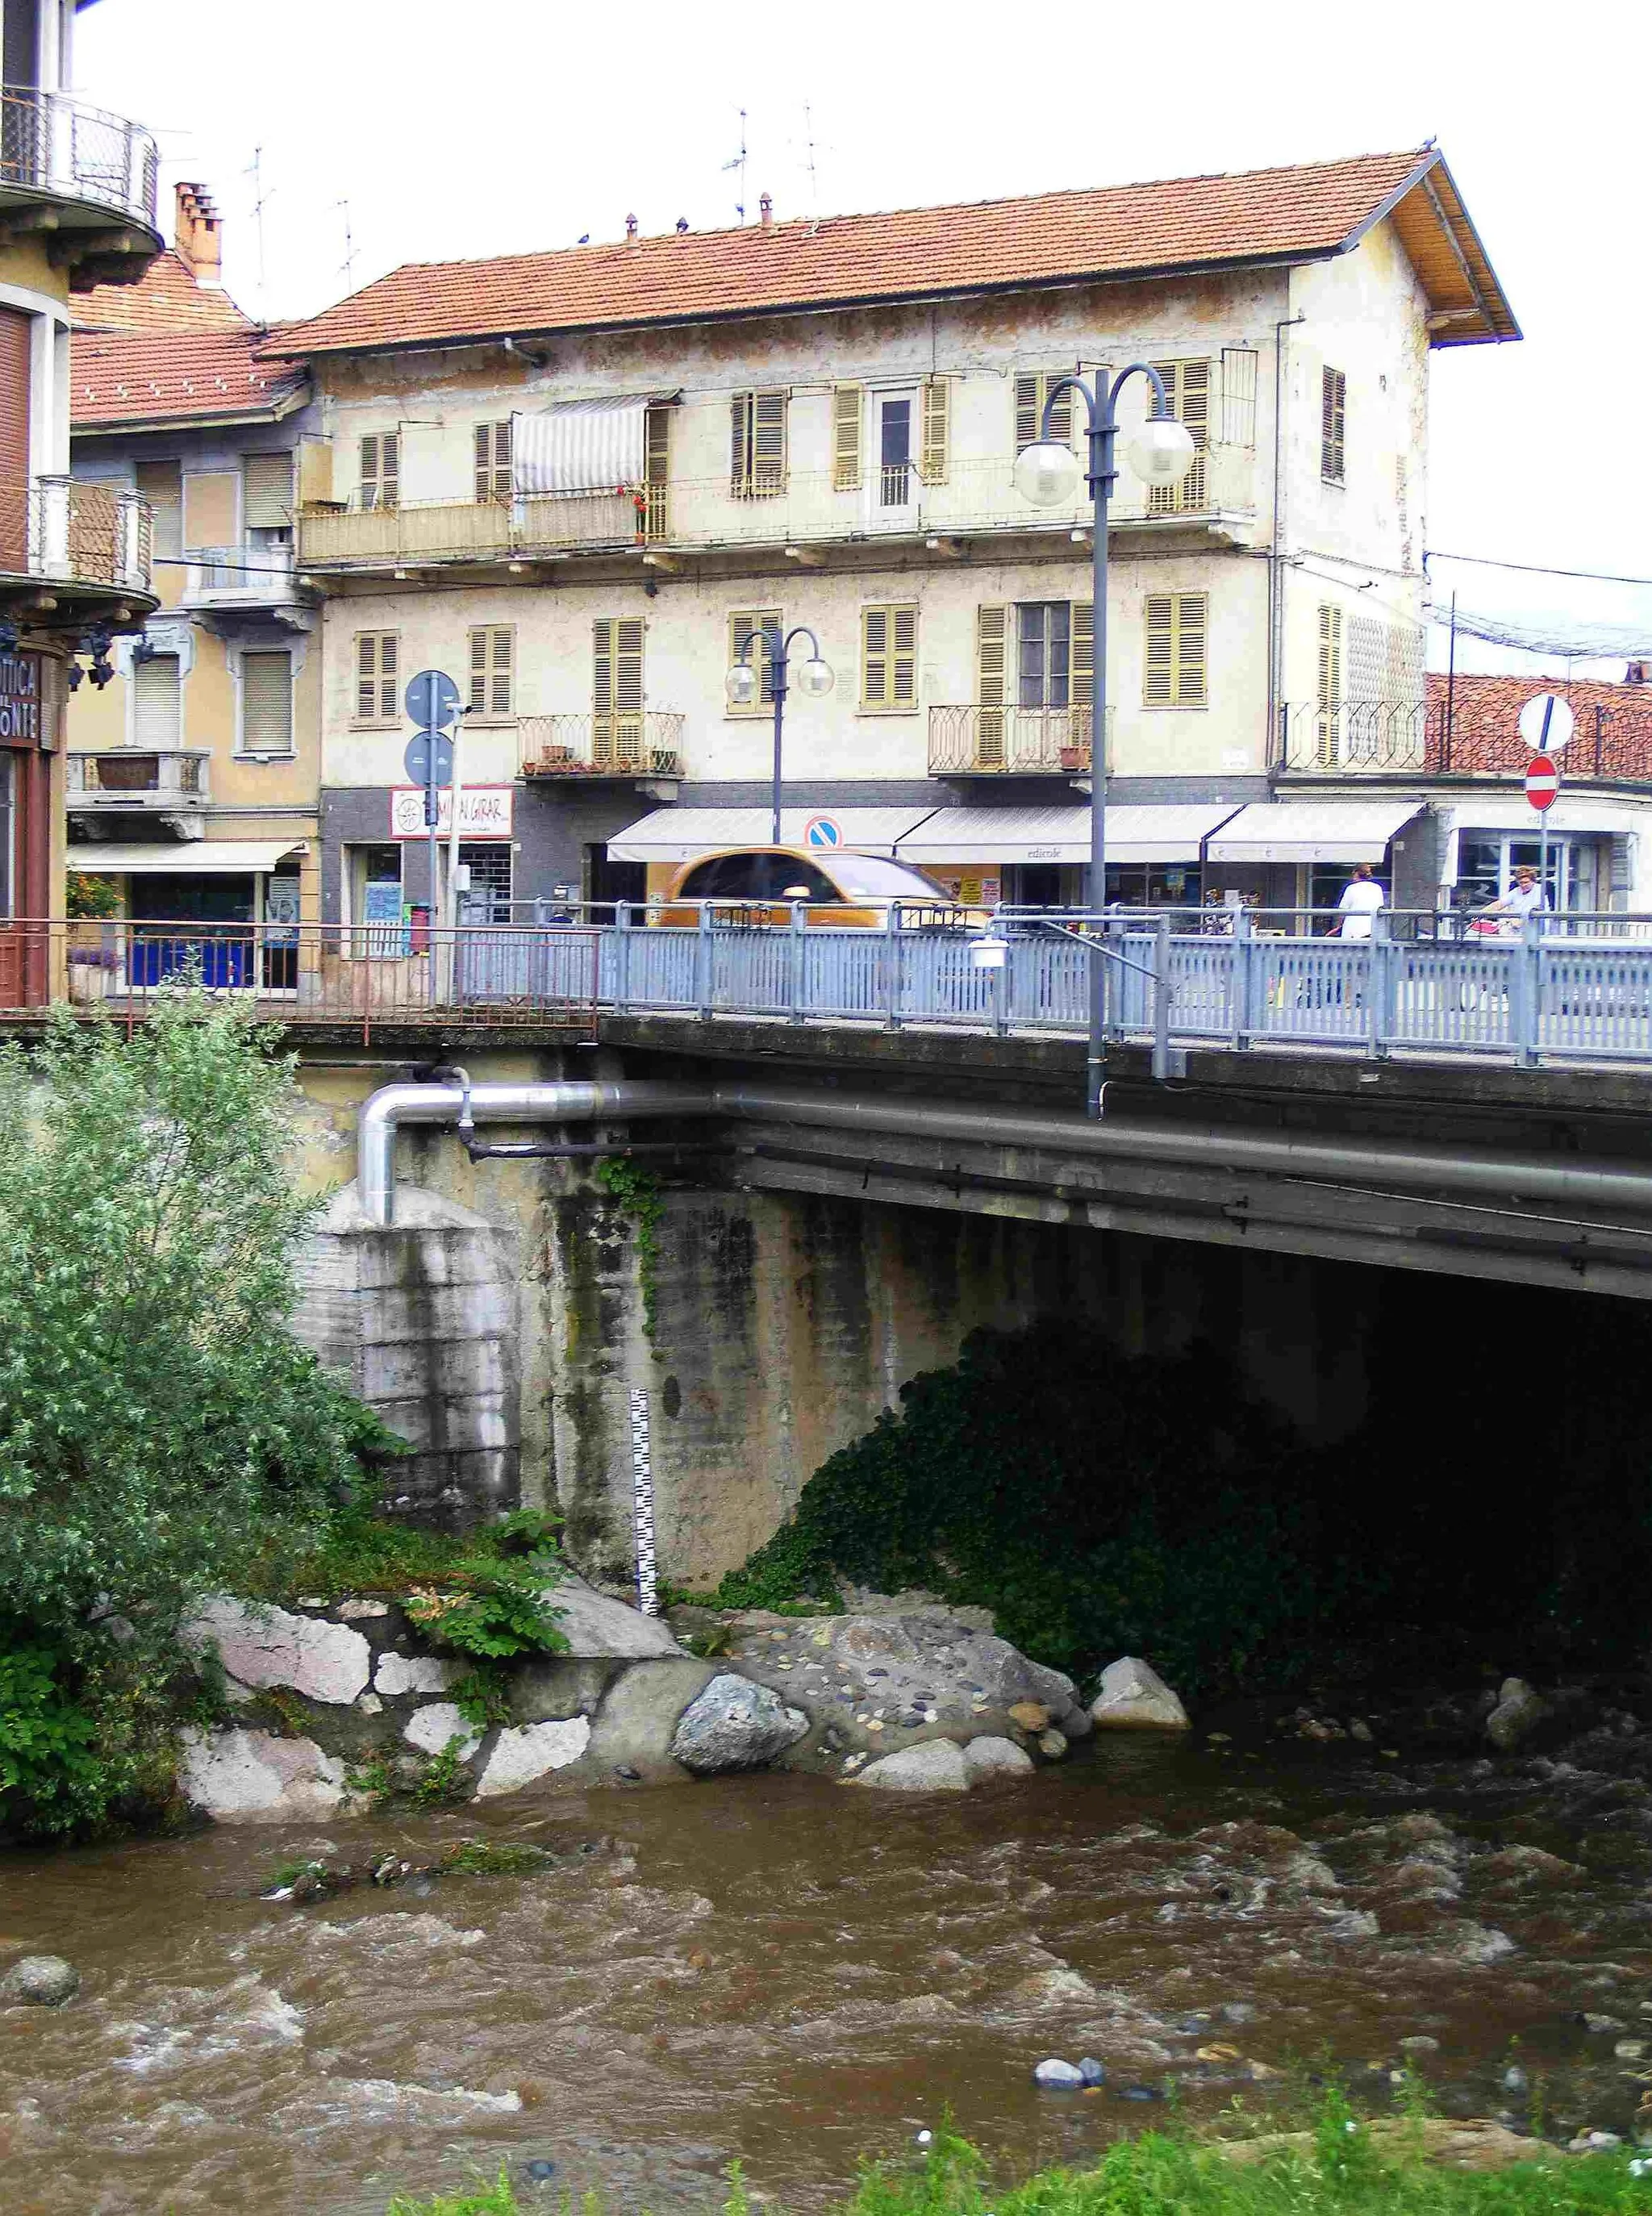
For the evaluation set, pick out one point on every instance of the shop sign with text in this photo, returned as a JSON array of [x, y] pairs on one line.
[[485, 811], [22, 723]]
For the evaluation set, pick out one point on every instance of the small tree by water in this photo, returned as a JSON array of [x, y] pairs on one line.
[[161, 1429]]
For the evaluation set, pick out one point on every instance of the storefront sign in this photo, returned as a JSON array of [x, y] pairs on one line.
[[22, 723], [485, 811]]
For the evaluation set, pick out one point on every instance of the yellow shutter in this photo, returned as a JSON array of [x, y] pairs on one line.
[[848, 410], [1333, 425], [991, 670], [1186, 392], [617, 692], [1191, 626], [889, 657], [742, 625], [656, 470], [492, 456], [1330, 683], [375, 675], [938, 409], [1157, 689], [381, 469], [493, 658], [265, 491], [1081, 689], [1032, 390]]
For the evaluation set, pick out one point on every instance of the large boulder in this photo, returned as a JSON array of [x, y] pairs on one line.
[[937, 1766], [875, 1683], [1135, 1697], [252, 1777], [1519, 1712], [996, 1757], [735, 1725], [633, 1730], [591, 1623], [44, 1980], [521, 1755], [261, 1645]]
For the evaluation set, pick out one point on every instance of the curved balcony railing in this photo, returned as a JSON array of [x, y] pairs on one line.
[[54, 146], [972, 739], [71, 532]]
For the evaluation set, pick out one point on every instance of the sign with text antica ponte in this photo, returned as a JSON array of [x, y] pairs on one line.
[[23, 713], [485, 811]]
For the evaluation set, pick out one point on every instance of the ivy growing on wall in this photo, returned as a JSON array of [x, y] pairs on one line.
[[637, 1193]]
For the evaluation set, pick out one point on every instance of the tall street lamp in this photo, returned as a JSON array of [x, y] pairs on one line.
[[1047, 474], [744, 683]]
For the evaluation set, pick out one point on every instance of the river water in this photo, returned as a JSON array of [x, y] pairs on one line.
[[782, 1969]]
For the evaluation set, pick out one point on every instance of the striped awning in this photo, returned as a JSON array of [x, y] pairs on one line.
[[582, 446]]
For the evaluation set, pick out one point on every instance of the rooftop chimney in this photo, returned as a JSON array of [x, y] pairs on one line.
[[199, 247], [1639, 673], [631, 230], [765, 210]]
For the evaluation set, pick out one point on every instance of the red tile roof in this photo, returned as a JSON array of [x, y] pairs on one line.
[[1485, 716], [127, 378], [1281, 215], [166, 297]]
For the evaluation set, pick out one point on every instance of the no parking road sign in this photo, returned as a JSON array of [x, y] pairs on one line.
[[1542, 781]]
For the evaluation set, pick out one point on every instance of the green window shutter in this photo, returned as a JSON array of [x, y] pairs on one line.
[[991, 669], [937, 403], [848, 411]]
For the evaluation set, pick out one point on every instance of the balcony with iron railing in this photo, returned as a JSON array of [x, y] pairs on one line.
[[239, 577], [143, 781], [1387, 738], [96, 173], [971, 740], [640, 744], [791, 508], [82, 539]]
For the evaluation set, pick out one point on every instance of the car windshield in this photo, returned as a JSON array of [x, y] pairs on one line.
[[870, 876]]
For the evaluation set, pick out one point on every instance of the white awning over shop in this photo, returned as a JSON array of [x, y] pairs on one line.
[[194, 858], [1312, 831], [581, 445], [1059, 834], [1513, 812], [678, 834]]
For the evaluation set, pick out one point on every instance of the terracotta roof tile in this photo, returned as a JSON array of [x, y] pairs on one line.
[[138, 377], [1283, 213], [166, 297], [1485, 718]]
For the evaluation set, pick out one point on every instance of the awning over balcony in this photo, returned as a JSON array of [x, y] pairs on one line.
[[581, 445], [1332, 831], [678, 834], [1060, 834], [195, 858]]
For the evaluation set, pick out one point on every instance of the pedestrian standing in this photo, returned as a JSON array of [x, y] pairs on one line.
[[1362, 897]]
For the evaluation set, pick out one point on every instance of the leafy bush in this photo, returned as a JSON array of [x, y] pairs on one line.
[[161, 1429]]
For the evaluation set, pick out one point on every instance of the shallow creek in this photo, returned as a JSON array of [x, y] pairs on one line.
[[780, 1969]]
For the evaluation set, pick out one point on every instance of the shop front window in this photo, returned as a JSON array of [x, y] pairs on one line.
[[1152, 884]]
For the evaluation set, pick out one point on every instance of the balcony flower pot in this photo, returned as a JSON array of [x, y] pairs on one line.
[[1073, 758]]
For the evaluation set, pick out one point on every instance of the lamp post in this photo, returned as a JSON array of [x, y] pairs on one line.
[[743, 685], [1047, 474]]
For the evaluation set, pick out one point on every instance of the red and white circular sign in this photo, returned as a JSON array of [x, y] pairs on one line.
[[1542, 781]]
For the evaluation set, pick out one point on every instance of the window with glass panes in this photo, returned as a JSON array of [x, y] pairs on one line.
[[1044, 653]]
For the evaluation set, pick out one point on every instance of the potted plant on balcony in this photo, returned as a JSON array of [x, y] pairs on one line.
[[89, 903], [1075, 758]]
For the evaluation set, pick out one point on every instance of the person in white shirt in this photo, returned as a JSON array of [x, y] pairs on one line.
[[1362, 896]]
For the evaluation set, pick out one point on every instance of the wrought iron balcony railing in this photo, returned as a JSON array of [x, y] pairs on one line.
[[240, 573], [151, 780], [74, 532], [970, 740], [54, 147], [646, 742], [1397, 738]]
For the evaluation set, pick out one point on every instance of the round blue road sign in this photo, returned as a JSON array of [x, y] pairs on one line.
[[431, 699], [416, 760]]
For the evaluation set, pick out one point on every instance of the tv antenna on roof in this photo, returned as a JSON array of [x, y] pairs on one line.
[[809, 146], [260, 201], [347, 266], [738, 163]]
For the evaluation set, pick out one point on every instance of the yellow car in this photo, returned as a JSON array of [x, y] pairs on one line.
[[847, 891]]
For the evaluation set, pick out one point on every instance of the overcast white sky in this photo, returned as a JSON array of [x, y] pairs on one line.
[[507, 124]]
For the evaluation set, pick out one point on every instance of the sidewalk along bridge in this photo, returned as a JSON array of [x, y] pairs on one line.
[[1570, 989]]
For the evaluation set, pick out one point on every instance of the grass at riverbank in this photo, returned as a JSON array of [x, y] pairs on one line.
[[1342, 2171]]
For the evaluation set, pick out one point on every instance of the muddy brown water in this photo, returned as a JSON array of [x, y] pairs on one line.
[[780, 1969]]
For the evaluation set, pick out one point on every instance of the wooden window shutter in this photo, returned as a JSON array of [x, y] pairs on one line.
[[937, 424], [376, 659], [739, 440], [493, 461], [157, 703], [874, 657], [769, 440], [267, 703], [904, 673], [742, 625], [1192, 611], [1032, 389], [656, 453], [848, 410], [1159, 679], [1082, 667], [616, 691], [1333, 425], [991, 660], [1326, 731], [267, 491], [381, 469], [1188, 392], [492, 656], [161, 483]]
